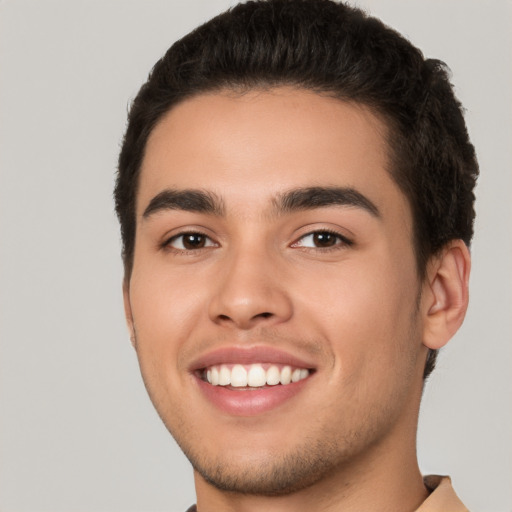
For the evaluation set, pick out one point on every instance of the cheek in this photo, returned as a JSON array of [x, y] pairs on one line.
[[164, 313], [165, 309], [365, 312]]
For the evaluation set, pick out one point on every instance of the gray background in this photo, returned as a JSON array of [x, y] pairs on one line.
[[77, 432]]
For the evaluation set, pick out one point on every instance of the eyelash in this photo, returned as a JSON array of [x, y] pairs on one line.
[[341, 241], [167, 244]]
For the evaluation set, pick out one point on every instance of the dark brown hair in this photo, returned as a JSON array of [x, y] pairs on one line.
[[333, 49]]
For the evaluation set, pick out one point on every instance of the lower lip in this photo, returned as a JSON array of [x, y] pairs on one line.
[[250, 401]]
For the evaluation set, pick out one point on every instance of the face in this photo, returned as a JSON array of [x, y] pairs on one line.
[[274, 292]]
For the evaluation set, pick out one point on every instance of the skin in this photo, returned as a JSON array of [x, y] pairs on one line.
[[356, 311]]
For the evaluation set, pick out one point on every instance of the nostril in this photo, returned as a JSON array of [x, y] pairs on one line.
[[245, 321]]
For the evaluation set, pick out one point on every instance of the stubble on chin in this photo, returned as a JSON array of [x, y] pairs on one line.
[[272, 474]]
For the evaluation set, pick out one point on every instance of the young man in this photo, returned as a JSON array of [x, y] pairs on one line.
[[295, 194]]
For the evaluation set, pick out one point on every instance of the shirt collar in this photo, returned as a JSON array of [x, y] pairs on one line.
[[442, 496]]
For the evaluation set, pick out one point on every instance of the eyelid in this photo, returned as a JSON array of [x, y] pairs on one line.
[[167, 242], [343, 240]]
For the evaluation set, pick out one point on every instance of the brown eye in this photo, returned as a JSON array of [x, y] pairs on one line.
[[194, 241], [190, 242], [324, 239]]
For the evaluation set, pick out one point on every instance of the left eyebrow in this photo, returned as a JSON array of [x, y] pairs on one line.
[[310, 198]]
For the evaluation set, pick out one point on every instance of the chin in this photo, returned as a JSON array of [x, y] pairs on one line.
[[271, 473]]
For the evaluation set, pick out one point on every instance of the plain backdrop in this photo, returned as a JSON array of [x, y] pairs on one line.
[[77, 431]]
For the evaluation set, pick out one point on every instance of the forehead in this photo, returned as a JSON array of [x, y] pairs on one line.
[[260, 143]]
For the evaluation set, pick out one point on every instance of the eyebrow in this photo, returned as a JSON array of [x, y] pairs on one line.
[[299, 199], [190, 200], [310, 198]]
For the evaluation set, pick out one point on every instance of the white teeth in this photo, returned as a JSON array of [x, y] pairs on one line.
[[238, 376], [273, 376], [215, 376], [257, 376], [224, 376], [286, 375], [296, 375], [254, 375]]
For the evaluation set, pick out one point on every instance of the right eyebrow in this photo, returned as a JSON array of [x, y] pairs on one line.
[[191, 200]]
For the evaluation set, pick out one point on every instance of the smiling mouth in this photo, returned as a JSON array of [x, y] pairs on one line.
[[253, 376]]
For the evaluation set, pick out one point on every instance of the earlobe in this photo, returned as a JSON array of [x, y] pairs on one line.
[[446, 295], [128, 312]]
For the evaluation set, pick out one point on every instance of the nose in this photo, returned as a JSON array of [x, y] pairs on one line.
[[251, 291]]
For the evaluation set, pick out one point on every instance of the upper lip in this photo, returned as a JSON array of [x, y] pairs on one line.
[[249, 355]]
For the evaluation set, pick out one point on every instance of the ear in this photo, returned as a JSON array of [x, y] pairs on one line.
[[128, 311], [445, 294]]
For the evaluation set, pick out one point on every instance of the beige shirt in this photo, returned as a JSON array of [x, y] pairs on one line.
[[442, 497]]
